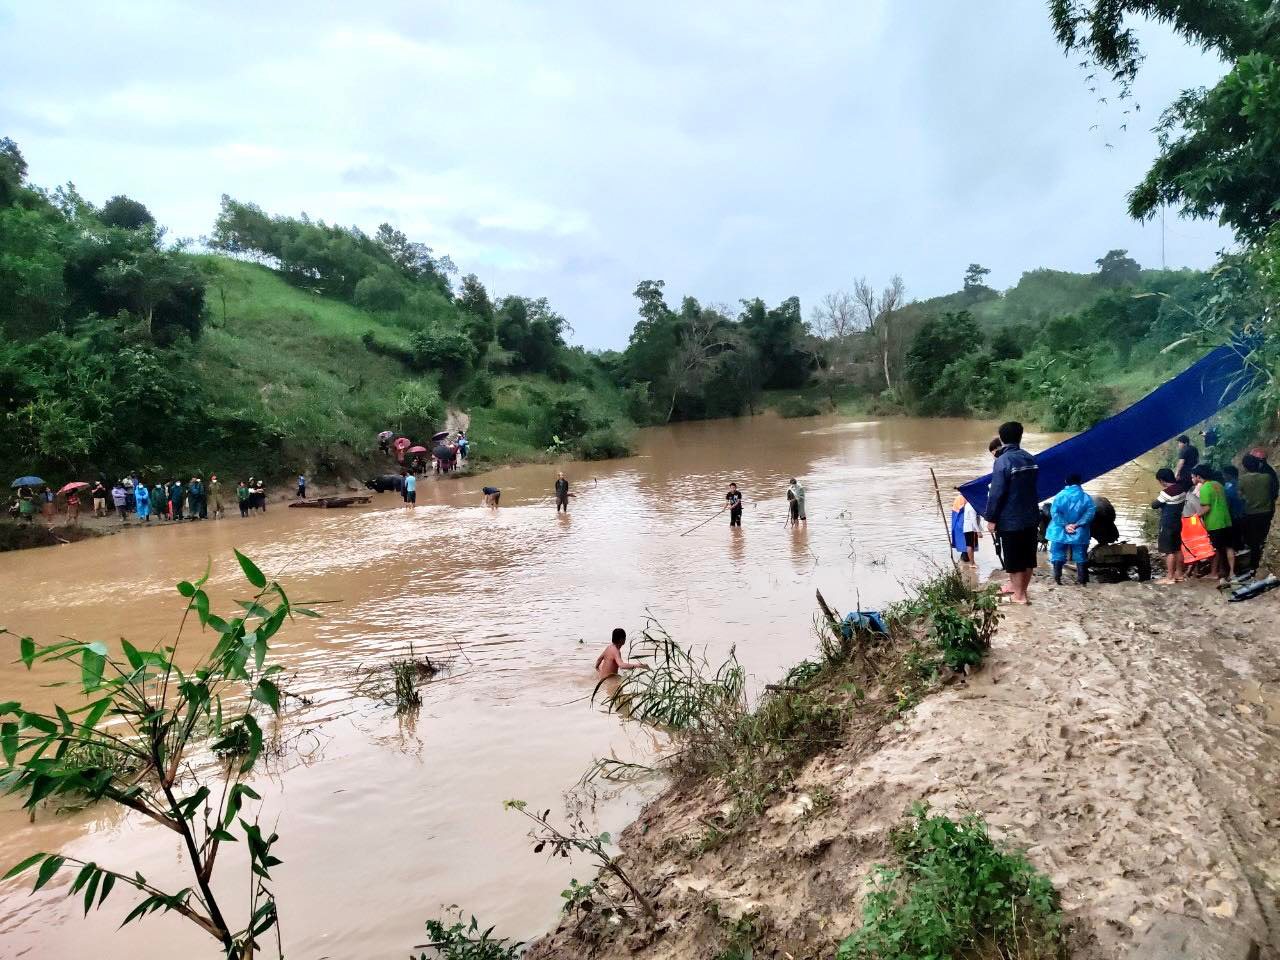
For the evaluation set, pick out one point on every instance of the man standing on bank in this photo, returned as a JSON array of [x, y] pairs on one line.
[[734, 500], [1013, 511]]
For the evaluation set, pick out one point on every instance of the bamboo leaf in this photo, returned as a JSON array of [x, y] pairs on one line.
[[51, 865], [27, 649], [92, 664], [268, 693], [251, 571], [91, 890], [187, 589], [131, 654], [108, 881], [24, 866]]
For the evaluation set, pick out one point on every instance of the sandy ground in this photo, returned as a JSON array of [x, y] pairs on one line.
[[1128, 736]]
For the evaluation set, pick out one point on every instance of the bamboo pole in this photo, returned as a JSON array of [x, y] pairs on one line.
[[706, 521], [937, 492]]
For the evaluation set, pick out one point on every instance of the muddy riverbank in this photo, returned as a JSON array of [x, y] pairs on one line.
[[1126, 736]]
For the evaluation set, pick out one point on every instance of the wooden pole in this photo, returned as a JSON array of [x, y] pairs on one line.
[[937, 492]]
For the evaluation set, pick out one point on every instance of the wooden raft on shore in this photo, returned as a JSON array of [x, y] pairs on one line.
[[327, 502]]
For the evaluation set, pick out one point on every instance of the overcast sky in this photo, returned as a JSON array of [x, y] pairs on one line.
[[572, 149]]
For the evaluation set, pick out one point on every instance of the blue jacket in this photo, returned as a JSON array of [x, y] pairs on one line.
[[1012, 503], [1072, 505]]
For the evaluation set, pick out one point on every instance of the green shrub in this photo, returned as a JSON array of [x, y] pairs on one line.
[[419, 409], [955, 893], [478, 391], [1076, 406], [467, 941], [792, 407], [603, 443]]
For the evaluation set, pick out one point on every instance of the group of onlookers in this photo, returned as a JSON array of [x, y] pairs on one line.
[[1215, 515], [132, 496], [1230, 510]]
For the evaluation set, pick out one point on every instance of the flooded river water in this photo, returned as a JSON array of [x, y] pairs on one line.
[[383, 819]]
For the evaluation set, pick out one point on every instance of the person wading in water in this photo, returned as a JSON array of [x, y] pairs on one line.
[[734, 501], [610, 660], [562, 493]]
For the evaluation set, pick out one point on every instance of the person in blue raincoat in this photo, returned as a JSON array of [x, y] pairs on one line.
[[142, 501], [1070, 514]]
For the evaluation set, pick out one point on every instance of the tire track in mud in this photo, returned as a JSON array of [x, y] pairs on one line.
[[1229, 750]]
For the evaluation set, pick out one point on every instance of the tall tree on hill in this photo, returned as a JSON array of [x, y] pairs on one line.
[[975, 277], [126, 213], [13, 171], [834, 325], [878, 315], [1117, 269], [778, 336]]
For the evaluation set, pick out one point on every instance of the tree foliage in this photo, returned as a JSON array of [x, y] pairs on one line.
[[1217, 144]]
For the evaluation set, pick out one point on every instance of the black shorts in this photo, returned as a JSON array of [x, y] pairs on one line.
[[1018, 549], [411, 496], [1224, 538], [1170, 540], [971, 539]]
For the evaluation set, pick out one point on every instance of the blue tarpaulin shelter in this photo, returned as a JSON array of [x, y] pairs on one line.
[[1211, 383]]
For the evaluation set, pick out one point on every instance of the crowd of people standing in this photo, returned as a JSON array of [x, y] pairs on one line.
[[132, 496], [1231, 509]]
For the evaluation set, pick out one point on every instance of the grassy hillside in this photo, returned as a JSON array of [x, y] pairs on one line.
[[298, 361]]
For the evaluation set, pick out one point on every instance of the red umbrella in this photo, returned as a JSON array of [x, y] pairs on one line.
[[418, 449], [401, 443], [73, 485]]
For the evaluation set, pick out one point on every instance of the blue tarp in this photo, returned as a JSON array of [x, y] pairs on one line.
[[1200, 391]]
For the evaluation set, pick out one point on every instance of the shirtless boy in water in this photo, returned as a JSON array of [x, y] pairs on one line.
[[610, 660]]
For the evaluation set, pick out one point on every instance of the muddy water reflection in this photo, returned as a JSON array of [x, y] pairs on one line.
[[384, 820]]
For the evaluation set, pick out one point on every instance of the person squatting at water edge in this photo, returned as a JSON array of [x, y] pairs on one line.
[[610, 660], [1013, 510]]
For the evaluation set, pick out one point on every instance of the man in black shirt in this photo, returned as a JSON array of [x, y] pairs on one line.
[[734, 499], [1188, 458], [562, 493]]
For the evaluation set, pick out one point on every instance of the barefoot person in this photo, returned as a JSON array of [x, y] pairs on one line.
[[1013, 511], [1170, 502], [492, 495], [610, 660], [795, 504]]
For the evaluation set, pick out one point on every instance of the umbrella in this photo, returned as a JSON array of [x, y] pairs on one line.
[[385, 435], [401, 443], [418, 449], [73, 485], [444, 453], [437, 437], [26, 482]]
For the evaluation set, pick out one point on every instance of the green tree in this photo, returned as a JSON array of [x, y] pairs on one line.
[[13, 171], [125, 213], [939, 342], [975, 277], [1117, 269], [1216, 144]]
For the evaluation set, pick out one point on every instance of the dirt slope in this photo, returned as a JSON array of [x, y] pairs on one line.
[[1128, 736]]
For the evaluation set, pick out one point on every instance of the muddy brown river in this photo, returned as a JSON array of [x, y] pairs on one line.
[[385, 819]]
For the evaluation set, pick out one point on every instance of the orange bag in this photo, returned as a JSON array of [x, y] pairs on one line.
[[1195, 541]]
